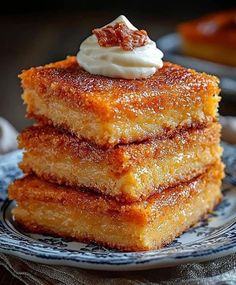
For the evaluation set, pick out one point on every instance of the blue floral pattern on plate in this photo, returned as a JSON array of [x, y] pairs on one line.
[[210, 238]]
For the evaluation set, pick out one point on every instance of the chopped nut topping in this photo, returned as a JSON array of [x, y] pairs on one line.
[[121, 35]]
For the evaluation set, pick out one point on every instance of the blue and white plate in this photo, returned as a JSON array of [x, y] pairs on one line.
[[209, 239]]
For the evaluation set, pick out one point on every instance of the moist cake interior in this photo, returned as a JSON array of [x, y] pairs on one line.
[[111, 111], [44, 207], [121, 172]]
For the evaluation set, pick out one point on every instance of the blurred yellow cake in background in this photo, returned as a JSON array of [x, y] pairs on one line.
[[211, 37]]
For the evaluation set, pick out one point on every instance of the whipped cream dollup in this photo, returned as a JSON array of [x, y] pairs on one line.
[[114, 61]]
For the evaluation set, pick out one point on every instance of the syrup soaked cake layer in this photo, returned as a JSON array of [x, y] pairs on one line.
[[47, 208], [109, 111], [127, 172]]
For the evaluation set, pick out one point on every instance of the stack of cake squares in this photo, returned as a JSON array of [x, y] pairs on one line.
[[129, 164]]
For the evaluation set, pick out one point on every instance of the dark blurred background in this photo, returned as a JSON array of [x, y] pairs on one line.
[[39, 32]]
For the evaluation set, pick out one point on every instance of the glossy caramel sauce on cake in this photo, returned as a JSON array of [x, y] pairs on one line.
[[121, 156], [121, 172], [172, 86], [31, 188]]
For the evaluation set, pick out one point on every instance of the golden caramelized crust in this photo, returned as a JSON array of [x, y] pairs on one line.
[[109, 111], [122, 171], [31, 188], [49, 208], [122, 156], [107, 96]]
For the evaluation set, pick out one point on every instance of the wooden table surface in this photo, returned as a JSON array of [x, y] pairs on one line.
[[36, 40]]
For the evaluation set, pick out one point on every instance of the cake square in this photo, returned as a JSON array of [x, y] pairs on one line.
[[47, 208], [109, 111], [127, 172]]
